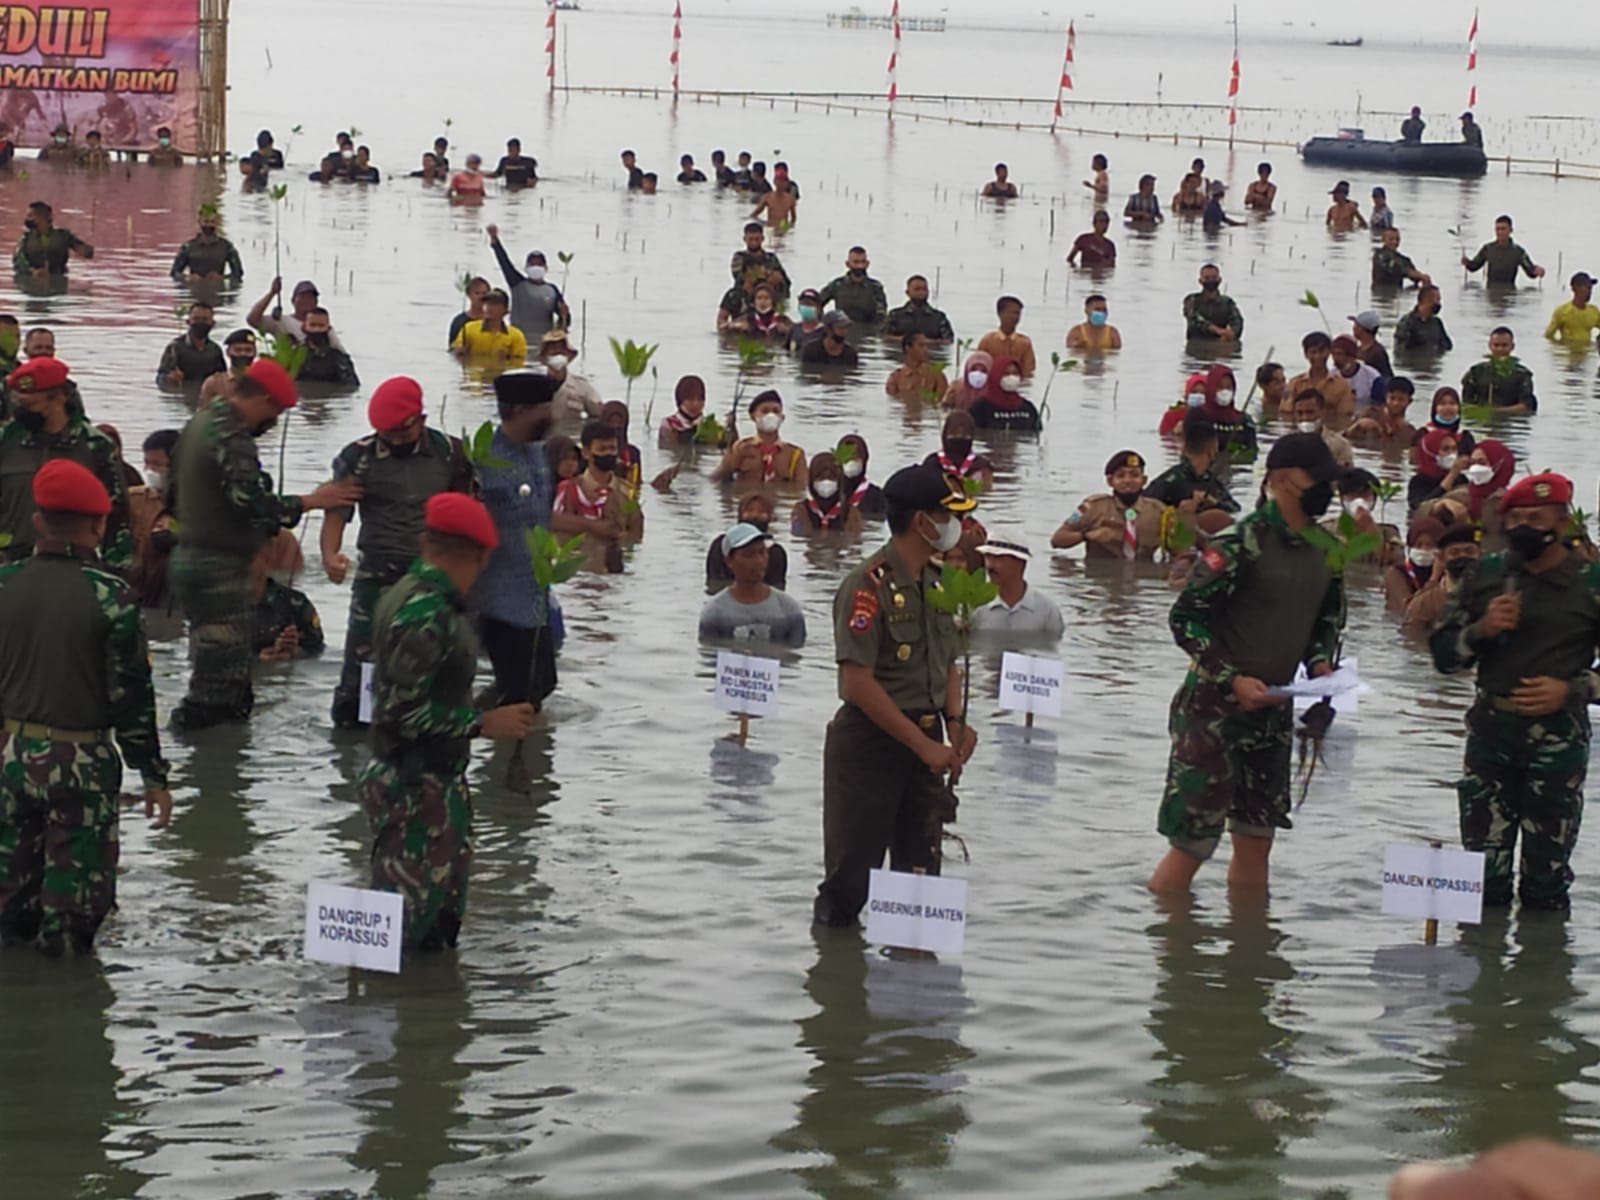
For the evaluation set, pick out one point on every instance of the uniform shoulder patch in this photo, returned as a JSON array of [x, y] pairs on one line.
[[1214, 559], [878, 572], [863, 608]]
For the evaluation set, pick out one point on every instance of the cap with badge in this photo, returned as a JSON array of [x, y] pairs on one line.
[[459, 515], [741, 535], [62, 485], [925, 488], [43, 374], [394, 402], [240, 337], [275, 381], [1308, 452], [1537, 491], [1124, 458]]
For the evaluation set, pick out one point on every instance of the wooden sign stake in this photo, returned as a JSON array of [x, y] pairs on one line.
[[744, 728], [1430, 927]]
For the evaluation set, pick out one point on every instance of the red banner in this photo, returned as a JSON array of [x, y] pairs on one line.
[[125, 68]]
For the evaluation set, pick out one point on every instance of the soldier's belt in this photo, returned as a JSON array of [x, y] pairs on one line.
[[31, 729], [925, 718]]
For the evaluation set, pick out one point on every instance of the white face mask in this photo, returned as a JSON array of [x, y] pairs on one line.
[[1445, 460], [769, 422], [1420, 557], [1357, 506], [536, 272], [1225, 398], [1479, 473], [154, 479], [1306, 426], [949, 535], [853, 469], [557, 362], [826, 489], [977, 380], [1011, 383], [1195, 399]]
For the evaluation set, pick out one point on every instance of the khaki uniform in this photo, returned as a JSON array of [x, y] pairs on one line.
[[1339, 402], [877, 795], [1100, 511]]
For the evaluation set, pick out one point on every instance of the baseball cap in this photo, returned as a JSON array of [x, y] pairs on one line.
[[1001, 548], [1582, 278], [811, 294], [305, 285], [1308, 452], [834, 317], [925, 488], [1367, 319], [1342, 186], [740, 536]]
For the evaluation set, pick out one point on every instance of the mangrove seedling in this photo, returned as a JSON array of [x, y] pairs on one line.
[[1386, 491], [1057, 365], [1309, 300], [961, 594], [1346, 544], [277, 191], [565, 257], [476, 447], [633, 360]]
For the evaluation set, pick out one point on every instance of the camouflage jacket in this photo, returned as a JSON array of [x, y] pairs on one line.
[[283, 607], [208, 256], [37, 662], [1500, 386], [862, 300], [1259, 600], [1202, 311], [426, 656], [224, 501], [23, 451]]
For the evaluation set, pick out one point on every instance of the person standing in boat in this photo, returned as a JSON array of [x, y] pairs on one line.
[[1471, 131], [1411, 128]]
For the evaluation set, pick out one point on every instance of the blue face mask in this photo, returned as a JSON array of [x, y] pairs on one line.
[[808, 312], [1448, 422], [1098, 316]]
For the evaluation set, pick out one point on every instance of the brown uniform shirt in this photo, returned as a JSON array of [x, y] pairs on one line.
[[882, 620], [1018, 347], [1103, 511], [1340, 402]]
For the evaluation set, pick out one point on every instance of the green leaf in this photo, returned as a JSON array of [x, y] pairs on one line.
[[477, 444], [1387, 489], [208, 210], [553, 561], [286, 352], [565, 257], [297, 130], [1310, 299], [972, 487], [5, 540], [752, 352], [278, 191], [633, 360], [1478, 414], [710, 431], [844, 452], [1180, 536]]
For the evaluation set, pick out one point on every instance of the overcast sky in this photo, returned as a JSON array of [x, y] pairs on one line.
[[1568, 24]]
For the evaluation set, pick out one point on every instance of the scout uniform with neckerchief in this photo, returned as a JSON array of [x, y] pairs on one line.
[[1103, 510], [877, 795], [1525, 774]]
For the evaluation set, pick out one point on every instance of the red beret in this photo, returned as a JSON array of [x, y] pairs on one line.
[[38, 375], [460, 516], [394, 402], [279, 384], [61, 485], [1535, 491]]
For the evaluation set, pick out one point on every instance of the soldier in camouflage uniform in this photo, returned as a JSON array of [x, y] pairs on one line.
[[886, 758], [49, 423], [855, 293], [398, 467], [755, 264], [208, 255], [227, 511], [1259, 601], [414, 790], [1529, 619], [1209, 315], [67, 685], [284, 623]]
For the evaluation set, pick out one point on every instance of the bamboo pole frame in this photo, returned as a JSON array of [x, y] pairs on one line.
[[213, 91]]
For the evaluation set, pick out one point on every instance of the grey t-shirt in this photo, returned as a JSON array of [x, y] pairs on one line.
[[776, 619], [533, 309]]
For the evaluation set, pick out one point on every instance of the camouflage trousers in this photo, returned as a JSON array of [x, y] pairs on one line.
[[421, 846], [1228, 768], [58, 839], [1524, 775], [214, 590], [365, 591]]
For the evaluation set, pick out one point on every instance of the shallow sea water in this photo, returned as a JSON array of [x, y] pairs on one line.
[[638, 1007]]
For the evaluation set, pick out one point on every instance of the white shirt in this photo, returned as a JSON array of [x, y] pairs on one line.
[[577, 397], [1361, 384], [288, 325], [1035, 613]]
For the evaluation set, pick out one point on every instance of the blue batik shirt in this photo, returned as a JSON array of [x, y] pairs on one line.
[[506, 590]]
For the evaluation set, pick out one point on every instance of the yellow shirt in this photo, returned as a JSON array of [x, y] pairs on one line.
[[1574, 326], [480, 343]]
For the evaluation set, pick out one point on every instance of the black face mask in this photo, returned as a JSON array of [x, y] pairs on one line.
[[163, 541], [1457, 567], [1529, 543], [241, 364], [31, 421], [957, 449], [858, 272], [402, 449], [1315, 499], [1211, 285], [266, 427], [604, 462], [320, 340], [208, 231], [30, 223], [1127, 499], [200, 330], [763, 524]]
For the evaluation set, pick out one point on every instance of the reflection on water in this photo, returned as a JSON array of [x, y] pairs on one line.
[[1228, 1096], [884, 1096]]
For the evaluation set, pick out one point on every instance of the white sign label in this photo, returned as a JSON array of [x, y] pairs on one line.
[[369, 676], [352, 927], [1342, 681], [1031, 685], [1444, 885], [917, 912], [746, 684]]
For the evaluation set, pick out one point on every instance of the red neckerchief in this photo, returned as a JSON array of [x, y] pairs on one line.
[[769, 460], [763, 323], [861, 491], [826, 519], [572, 491], [951, 469], [679, 423], [1410, 570]]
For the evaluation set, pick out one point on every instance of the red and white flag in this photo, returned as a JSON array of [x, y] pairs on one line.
[[677, 39], [1472, 60], [1233, 90], [1067, 61], [894, 55]]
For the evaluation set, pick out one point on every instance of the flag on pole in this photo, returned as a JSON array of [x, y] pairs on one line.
[[1472, 60], [894, 55], [1071, 57], [550, 43], [677, 39], [1233, 90]]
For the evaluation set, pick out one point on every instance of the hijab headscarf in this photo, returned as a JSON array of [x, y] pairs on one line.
[[961, 394], [1504, 463], [1172, 419], [1212, 383], [688, 388], [997, 395], [1464, 439], [1425, 455]]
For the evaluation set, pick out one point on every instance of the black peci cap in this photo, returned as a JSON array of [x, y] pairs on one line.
[[525, 387], [1308, 452], [925, 488]]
